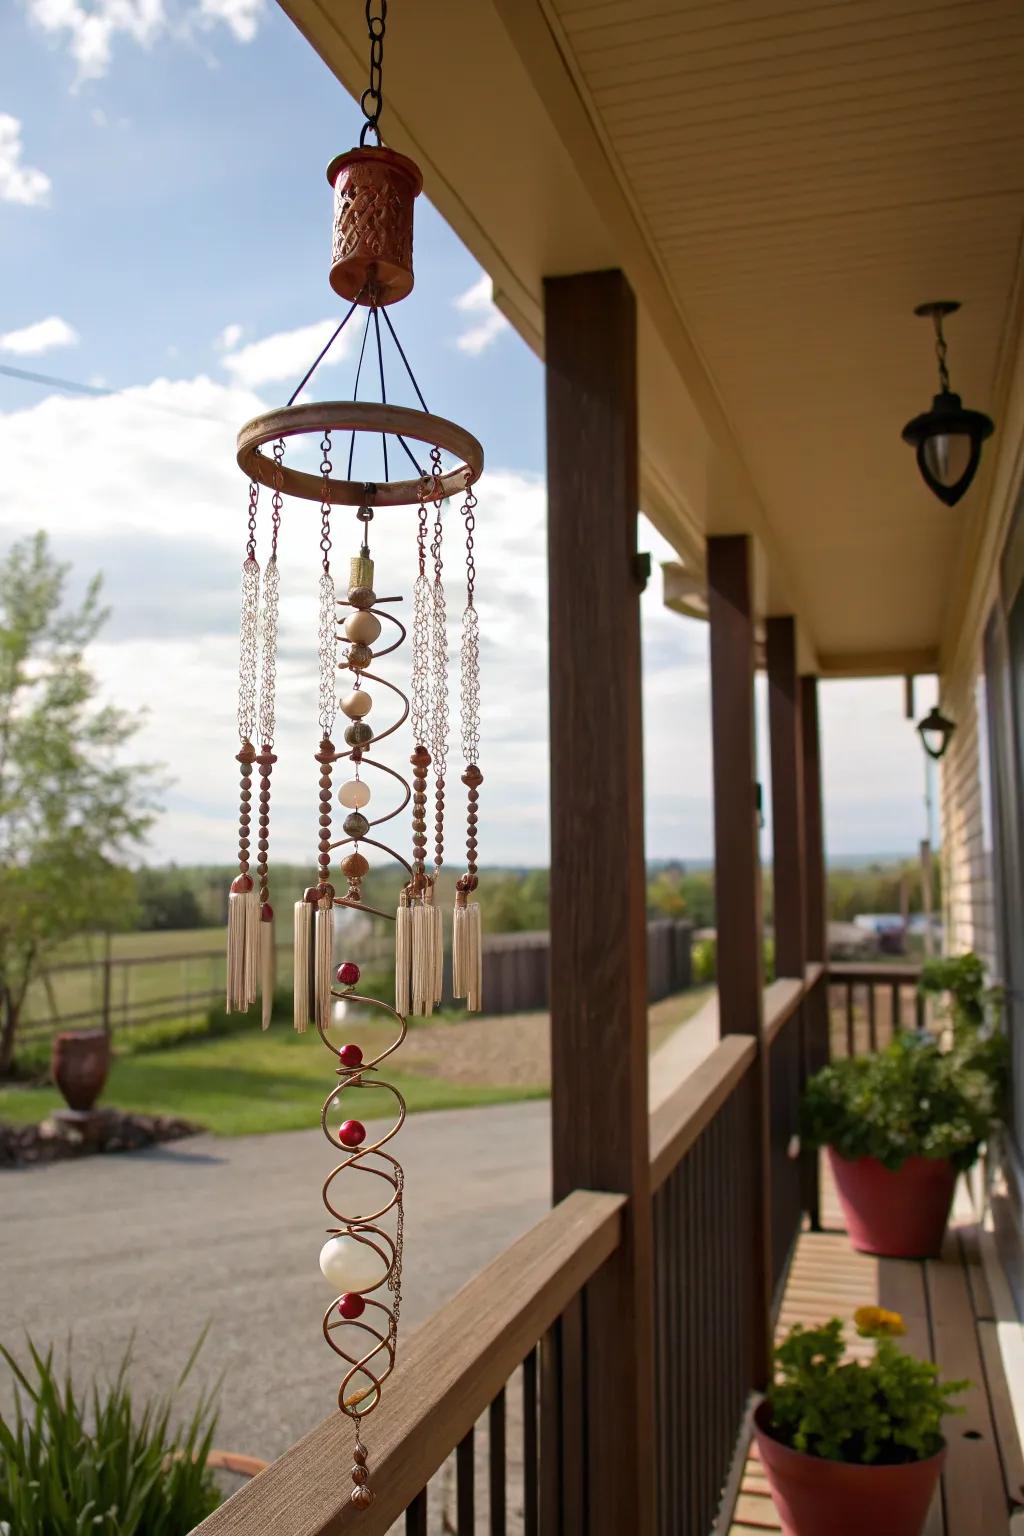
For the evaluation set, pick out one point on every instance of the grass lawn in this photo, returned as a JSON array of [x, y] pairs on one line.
[[252, 1082]]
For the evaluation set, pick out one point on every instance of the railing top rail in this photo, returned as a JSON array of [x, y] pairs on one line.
[[781, 1000], [452, 1368], [814, 970], [677, 1123], [903, 973]]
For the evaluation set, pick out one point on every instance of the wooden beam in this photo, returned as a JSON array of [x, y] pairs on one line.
[[738, 885], [816, 1009], [784, 697], [814, 836], [598, 887]]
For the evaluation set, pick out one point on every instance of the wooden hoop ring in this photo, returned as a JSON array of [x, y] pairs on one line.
[[357, 416]]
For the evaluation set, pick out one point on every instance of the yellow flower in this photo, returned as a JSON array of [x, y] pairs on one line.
[[877, 1323]]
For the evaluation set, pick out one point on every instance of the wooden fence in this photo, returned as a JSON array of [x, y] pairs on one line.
[[119, 993]]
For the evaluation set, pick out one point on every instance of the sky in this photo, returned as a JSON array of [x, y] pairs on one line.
[[164, 243]]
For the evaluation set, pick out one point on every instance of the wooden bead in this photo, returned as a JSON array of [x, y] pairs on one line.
[[362, 597], [362, 627], [356, 704], [359, 657], [362, 1496], [358, 734], [354, 866], [356, 825]]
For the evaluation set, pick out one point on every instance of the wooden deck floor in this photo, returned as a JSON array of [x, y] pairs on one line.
[[949, 1315]]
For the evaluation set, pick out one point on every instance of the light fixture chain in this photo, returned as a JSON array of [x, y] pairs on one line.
[[372, 99]]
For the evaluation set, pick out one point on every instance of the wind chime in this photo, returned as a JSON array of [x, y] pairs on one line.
[[374, 191]]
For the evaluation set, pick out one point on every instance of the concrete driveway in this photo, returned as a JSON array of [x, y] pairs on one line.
[[228, 1232]]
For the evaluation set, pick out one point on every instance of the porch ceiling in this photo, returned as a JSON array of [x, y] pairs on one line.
[[782, 183]]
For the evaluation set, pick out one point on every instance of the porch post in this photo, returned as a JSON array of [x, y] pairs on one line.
[[792, 1185], [738, 882], [816, 911], [787, 797], [600, 1137]]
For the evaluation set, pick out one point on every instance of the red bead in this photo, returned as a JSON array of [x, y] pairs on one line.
[[350, 1056], [266, 913], [351, 1306], [352, 1133], [348, 973], [240, 885]]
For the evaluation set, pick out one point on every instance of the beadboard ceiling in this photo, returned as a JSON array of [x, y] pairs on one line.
[[782, 182]]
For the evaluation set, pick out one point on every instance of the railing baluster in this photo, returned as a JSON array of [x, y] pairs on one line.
[[465, 1486], [872, 1024], [851, 1049], [416, 1516], [896, 1010], [919, 1014], [496, 1448], [551, 1431], [531, 1512]]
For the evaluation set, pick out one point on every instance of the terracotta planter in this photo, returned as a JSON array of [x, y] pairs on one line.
[[80, 1063], [900, 1215], [815, 1497]]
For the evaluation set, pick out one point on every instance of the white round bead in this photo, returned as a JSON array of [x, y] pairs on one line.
[[362, 627], [350, 1265], [355, 794], [357, 704]]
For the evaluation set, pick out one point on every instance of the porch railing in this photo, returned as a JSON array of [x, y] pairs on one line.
[[511, 1350], [869, 1003]]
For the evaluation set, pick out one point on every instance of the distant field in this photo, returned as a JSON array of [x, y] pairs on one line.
[[169, 976]]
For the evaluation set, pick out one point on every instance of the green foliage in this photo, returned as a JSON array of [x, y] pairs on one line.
[[911, 1100], [167, 900], [70, 806], [961, 978], [675, 891], [877, 888], [704, 958], [104, 1464], [884, 1411]]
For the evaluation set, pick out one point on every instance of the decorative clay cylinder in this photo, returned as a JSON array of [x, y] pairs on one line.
[[371, 256]]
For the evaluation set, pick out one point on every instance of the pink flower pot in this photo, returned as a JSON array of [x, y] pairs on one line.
[[901, 1214], [815, 1497], [80, 1061]]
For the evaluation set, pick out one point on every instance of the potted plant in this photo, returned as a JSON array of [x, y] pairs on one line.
[[900, 1125], [853, 1446]]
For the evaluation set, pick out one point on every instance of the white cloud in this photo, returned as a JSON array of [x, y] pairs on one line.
[[242, 17], [160, 508], [19, 183], [40, 337], [284, 355], [229, 338], [89, 31], [488, 321]]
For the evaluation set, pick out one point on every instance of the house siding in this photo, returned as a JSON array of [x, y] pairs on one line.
[[969, 899]]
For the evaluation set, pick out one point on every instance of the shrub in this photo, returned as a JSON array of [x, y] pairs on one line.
[[104, 1464], [911, 1100], [884, 1411]]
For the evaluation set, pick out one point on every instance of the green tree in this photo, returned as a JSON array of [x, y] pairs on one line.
[[71, 807]]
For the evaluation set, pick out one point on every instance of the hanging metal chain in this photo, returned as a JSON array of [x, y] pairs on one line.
[[249, 627], [422, 610], [327, 629], [941, 349], [439, 671], [275, 520], [372, 99], [470, 648]]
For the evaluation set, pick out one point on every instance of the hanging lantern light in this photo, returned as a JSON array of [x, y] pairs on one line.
[[936, 733], [371, 268], [948, 438]]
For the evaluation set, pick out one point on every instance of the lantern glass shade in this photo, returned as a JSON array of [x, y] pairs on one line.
[[948, 440], [948, 456], [935, 732]]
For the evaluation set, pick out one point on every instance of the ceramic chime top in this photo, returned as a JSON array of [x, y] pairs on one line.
[[371, 268]]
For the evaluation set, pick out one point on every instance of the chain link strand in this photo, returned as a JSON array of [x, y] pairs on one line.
[[327, 631], [371, 102]]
